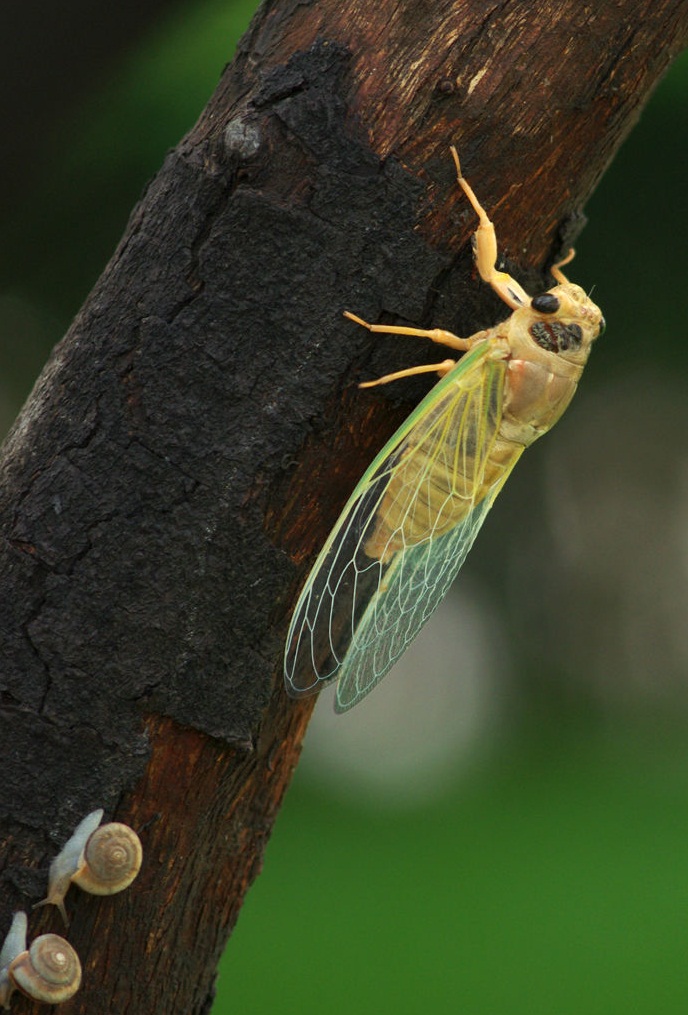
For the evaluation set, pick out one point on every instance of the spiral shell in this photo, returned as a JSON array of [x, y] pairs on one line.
[[49, 971], [112, 859], [101, 860]]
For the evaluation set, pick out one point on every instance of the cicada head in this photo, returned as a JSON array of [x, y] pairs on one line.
[[564, 321]]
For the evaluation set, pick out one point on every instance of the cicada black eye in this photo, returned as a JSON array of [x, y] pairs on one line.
[[545, 303]]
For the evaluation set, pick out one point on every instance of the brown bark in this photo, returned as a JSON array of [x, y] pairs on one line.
[[195, 434]]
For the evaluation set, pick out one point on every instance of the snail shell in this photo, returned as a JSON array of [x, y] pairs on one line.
[[48, 971], [101, 860], [112, 859]]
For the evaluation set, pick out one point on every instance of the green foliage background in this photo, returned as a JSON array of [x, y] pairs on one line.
[[552, 876]]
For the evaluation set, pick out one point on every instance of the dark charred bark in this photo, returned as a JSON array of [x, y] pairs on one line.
[[195, 434]]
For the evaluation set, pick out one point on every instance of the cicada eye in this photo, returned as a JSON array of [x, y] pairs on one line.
[[603, 327], [545, 303]]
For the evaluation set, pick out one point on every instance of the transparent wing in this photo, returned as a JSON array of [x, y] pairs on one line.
[[402, 536]]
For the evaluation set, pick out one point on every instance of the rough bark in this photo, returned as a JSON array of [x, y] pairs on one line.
[[196, 432]]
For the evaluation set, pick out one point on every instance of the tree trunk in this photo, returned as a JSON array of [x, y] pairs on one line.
[[195, 434]]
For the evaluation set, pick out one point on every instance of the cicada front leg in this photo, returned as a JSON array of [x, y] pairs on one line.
[[485, 246]]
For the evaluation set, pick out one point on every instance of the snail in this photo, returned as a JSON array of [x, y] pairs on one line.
[[48, 971], [100, 859]]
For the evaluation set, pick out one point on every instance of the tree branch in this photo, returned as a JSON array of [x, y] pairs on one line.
[[196, 432]]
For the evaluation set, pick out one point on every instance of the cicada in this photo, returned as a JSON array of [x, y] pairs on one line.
[[411, 520]]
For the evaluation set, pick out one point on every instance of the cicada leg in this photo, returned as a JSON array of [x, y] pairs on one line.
[[485, 246], [556, 271], [434, 334], [427, 368]]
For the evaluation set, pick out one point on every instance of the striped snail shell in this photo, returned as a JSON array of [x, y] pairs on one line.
[[100, 859], [48, 971], [112, 859]]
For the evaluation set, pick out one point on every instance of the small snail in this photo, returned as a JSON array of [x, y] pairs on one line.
[[100, 859], [48, 971]]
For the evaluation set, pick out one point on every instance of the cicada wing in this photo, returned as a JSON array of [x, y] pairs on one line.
[[402, 536], [341, 584], [414, 587]]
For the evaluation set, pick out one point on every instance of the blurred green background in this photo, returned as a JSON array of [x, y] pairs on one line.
[[504, 827]]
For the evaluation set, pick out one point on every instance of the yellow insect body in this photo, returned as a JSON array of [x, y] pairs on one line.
[[536, 392], [411, 520]]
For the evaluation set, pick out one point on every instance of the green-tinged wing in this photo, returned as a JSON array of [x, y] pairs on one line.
[[402, 536]]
